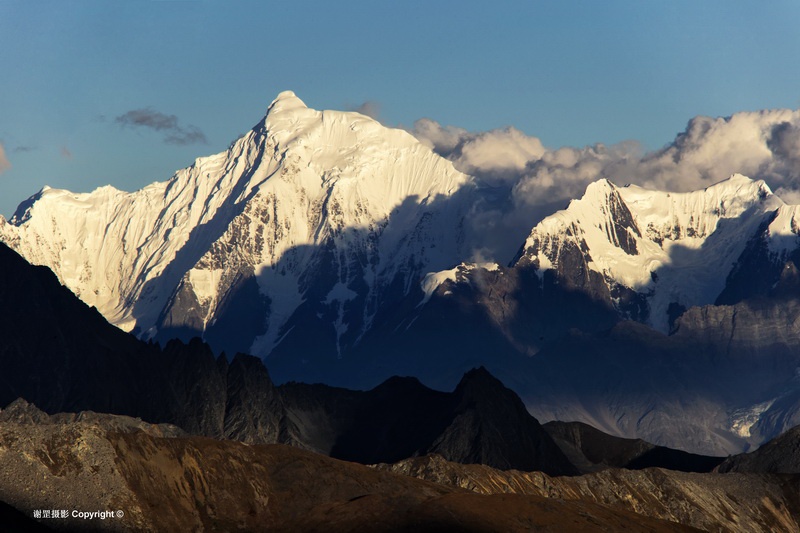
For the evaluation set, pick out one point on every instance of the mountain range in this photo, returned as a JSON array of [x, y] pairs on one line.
[[341, 251], [163, 471], [164, 479], [152, 479], [61, 355]]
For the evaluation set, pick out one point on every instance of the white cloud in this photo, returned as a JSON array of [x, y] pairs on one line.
[[763, 145], [501, 151], [790, 196], [442, 139], [494, 156], [564, 173]]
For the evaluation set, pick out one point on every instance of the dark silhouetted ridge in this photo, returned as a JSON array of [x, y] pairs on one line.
[[61, 355], [592, 450]]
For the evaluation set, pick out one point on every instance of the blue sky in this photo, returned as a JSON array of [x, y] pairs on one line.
[[571, 73]]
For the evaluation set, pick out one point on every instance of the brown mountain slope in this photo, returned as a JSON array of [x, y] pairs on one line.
[[710, 502], [93, 463]]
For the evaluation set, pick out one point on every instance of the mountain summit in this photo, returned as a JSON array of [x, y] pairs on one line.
[[649, 252], [312, 219]]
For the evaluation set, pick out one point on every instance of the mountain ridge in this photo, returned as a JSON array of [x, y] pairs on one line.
[[61, 355], [182, 483], [303, 190], [340, 251]]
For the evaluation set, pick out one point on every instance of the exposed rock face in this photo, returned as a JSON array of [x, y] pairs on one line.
[[709, 502], [558, 325], [57, 350], [622, 377], [80, 363], [491, 426], [26, 414], [66, 462], [163, 481], [306, 244], [754, 346], [195, 483], [339, 251]]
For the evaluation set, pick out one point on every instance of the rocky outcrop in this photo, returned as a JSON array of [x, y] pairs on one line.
[[709, 502], [490, 425], [162, 480], [63, 356]]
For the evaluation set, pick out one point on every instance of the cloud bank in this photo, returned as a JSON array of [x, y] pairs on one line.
[[174, 133], [533, 181]]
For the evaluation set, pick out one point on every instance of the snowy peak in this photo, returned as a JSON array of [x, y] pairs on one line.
[[326, 209], [286, 101], [696, 214], [600, 217], [600, 190], [603, 206], [660, 217], [675, 249], [784, 230], [339, 146], [348, 208]]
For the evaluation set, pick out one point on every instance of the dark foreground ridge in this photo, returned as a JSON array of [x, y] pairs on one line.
[[64, 357], [178, 483], [164, 480], [480, 422], [592, 450], [781, 455]]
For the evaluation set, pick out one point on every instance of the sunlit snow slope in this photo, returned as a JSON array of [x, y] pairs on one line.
[[318, 208], [673, 250]]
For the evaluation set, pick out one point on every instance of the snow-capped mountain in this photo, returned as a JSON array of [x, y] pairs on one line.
[[627, 253], [653, 254], [339, 251], [712, 278], [321, 213]]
